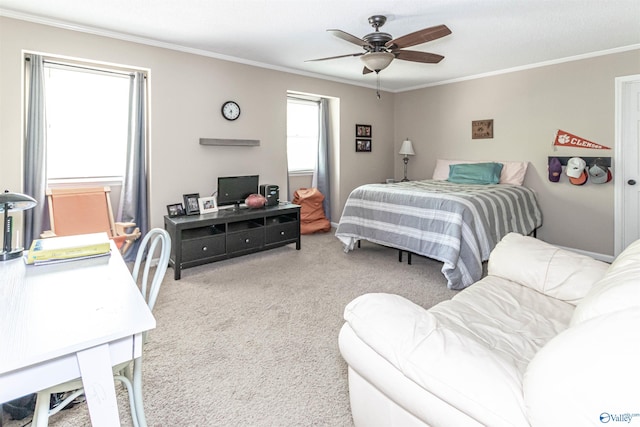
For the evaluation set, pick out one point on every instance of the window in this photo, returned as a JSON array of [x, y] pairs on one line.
[[303, 117], [87, 120]]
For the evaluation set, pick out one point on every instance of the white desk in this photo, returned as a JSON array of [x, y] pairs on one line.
[[64, 321]]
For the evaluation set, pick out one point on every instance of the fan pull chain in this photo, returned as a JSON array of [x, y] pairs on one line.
[[378, 84]]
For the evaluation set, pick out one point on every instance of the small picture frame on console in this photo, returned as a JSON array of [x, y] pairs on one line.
[[175, 210], [191, 203], [208, 204]]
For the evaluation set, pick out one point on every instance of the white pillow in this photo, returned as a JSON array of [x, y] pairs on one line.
[[512, 172]]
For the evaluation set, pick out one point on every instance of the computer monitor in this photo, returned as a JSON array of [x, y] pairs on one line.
[[233, 190]]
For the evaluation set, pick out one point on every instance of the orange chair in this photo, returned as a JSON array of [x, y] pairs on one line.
[[87, 210]]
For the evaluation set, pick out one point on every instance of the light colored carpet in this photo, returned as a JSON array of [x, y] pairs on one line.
[[253, 341]]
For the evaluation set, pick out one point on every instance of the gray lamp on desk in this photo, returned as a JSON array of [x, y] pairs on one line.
[[12, 202], [406, 149]]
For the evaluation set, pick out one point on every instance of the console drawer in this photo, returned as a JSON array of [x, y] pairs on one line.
[[245, 240], [206, 247], [282, 232]]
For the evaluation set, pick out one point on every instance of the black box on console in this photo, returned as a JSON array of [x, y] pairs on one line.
[[271, 193]]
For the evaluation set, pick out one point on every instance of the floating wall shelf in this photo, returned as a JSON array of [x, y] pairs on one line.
[[238, 142], [588, 160]]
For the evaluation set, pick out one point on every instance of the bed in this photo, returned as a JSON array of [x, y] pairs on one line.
[[457, 224]]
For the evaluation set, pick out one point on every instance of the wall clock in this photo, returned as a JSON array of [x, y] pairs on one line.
[[230, 110]]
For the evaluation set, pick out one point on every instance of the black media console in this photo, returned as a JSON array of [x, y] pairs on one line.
[[201, 239]]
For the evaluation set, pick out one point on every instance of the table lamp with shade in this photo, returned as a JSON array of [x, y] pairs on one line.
[[406, 149], [12, 202]]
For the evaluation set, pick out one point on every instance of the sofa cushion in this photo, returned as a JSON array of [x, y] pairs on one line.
[[617, 290], [587, 375], [509, 319], [555, 272], [471, 351]]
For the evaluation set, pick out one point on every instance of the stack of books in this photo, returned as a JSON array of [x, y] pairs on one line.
[[66, 248]]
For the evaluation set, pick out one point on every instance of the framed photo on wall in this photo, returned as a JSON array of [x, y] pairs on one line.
[[482, 129], [363, 145], [207, 204], [363, 131], [191, 203]]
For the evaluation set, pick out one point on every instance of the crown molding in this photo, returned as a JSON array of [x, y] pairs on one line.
[[156, 43]]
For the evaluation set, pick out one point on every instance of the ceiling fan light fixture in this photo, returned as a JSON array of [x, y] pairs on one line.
[[377, 61]]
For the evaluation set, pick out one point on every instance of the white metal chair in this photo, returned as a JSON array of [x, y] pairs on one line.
[[131, 378]]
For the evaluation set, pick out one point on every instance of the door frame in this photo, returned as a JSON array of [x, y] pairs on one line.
[[618, 169]]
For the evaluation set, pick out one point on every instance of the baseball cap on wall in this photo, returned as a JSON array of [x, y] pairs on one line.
[[576, 171], [599, 171], [555, 169]]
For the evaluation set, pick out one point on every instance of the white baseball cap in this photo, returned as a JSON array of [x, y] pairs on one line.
[[576, 171], [575, 167]]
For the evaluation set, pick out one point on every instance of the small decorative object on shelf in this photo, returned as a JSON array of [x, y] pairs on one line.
[[255, 201], [191, 203]]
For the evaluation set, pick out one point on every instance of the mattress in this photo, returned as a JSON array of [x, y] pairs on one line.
[[457, 224]]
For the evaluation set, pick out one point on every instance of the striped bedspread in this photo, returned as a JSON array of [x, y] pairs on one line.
[[458, 224]]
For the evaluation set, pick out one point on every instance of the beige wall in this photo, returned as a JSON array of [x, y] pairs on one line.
[[527, 108], [187, 91]]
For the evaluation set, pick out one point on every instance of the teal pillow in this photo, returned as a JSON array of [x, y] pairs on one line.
[[475, 173]]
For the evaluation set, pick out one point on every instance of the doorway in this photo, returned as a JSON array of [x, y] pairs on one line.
[[627, 164]]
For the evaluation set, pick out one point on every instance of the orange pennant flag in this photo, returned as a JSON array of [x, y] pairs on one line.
[[566, 139]]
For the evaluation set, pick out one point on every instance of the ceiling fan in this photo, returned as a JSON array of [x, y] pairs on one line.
[[380, 48]]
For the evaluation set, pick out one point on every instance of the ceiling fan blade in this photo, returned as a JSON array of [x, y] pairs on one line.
[[350, 38], [418, 37], [415, 56], [335, 57], [365, 70]]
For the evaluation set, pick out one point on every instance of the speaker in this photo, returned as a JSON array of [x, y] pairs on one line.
[[271, 193]]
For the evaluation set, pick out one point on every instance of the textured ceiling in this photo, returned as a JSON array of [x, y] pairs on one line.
[[488, 35]]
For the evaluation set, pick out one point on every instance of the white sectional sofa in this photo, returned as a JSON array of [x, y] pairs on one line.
[[548, 338]]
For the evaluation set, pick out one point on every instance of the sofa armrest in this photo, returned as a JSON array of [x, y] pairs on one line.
[[555, 272], [389, 323]]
